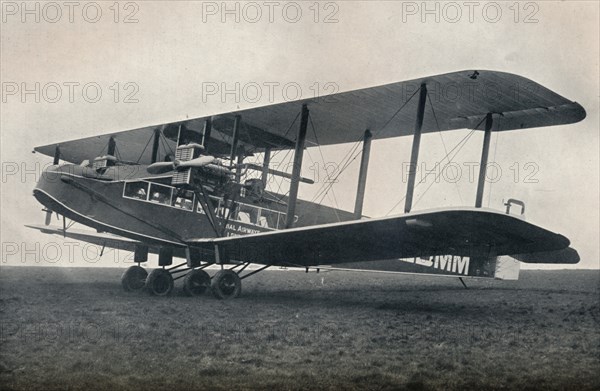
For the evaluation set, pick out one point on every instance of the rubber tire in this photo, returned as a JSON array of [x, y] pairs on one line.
[[134, 279], [196, 283], [226, 284], [159, 282]]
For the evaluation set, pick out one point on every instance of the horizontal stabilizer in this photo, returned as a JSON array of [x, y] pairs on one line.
[[100, 239], [104, 239]]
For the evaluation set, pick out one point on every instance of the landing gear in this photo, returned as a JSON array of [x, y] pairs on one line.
[[134, 278], [159, 282], [226, 284], [196, 282]]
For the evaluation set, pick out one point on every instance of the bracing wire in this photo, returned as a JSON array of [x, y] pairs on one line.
[[286, 133], [491, 183], [118, 153], [450, 160], [144, 150], [459, 145], [323, 158], [351, 155], [164, 138], [332, 196], [164, 145], [437, 124]]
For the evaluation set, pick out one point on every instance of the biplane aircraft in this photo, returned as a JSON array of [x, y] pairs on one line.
[[185, 189]]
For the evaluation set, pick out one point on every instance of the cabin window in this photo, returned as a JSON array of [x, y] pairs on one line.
[[248, 214], [160, 194], [137, 190], [214, 201], [183, 199], [268, 218]]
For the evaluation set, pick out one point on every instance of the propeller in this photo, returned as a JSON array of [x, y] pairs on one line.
[[162, 167]]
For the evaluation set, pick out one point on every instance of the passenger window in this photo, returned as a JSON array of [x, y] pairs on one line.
[[263, 222], [244, 217], [160, 194], [270, 218], [137, 190], [184, 199], [248, 214]]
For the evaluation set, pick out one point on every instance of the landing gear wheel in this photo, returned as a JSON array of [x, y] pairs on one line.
[[226, 284], [196, 282], [134, 278], [159, 282]]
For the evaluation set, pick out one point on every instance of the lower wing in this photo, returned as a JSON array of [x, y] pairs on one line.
[[463, 232]]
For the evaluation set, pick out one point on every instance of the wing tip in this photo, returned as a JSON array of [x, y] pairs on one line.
[[566, 256]]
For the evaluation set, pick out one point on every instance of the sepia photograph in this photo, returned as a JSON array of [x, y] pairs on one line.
[[300, 195]]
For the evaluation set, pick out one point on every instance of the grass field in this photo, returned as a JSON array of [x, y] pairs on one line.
[[76, 329]]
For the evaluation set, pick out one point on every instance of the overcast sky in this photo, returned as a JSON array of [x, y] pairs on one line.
[[154, 62]]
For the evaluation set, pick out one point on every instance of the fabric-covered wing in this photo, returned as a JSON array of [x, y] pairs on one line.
[[565, 256], [459, 100], [456, 100], [464, 231], [133, 146]]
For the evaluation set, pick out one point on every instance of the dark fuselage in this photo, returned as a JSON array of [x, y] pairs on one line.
[[130, 202]]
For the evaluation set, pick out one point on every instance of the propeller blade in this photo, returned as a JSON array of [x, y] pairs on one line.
[[160, 167]]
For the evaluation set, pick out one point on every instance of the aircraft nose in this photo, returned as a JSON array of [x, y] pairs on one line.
[[50, 175], [50, 185]]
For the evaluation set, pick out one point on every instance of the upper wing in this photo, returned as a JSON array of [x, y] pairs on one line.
[[458, 100], [465, 231]]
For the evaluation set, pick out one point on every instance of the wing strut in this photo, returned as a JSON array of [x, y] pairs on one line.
[[265, 167], [155, 145], [414, 155], [362, 175], [205, 203], [112, 146], [484, 159], [236, 137], [206, 133], [239, 164], [56, 155], [298, 153]]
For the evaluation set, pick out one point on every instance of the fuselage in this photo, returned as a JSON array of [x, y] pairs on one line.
[[128, 201]]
